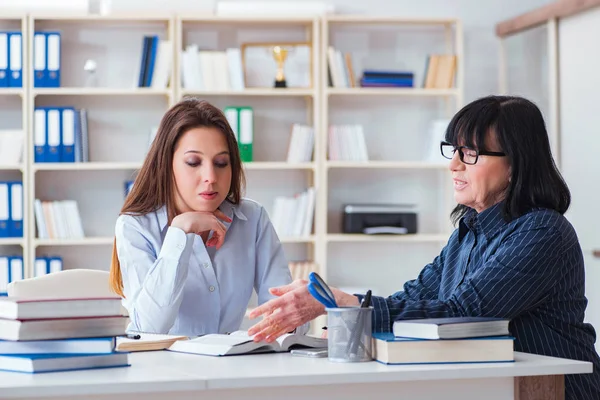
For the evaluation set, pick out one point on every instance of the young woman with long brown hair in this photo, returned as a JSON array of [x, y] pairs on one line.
[[188, 248]]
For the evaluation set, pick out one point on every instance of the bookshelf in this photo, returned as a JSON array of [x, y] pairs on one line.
[[275, 109], [121, 116], [385, 43]]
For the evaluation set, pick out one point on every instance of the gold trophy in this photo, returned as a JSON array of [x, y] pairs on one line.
[[280, 55]]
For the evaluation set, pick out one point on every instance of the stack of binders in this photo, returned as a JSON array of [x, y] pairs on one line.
[[60, 334], [60, 135], [46, 59]]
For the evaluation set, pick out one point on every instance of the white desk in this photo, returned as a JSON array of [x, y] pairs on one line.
[[168, 375]]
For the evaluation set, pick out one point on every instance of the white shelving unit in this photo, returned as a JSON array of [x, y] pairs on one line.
[[386, 43], [121, 116], [275, 109], [13, 115]]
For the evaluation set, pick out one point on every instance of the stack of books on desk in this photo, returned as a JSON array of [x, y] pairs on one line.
[[445, 340], [60, 334]]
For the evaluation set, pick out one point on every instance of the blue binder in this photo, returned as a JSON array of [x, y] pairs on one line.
[[145, 55], [15, 59], [40, 62], [41, 266], [4, 209], [67, 135], [16, 270], [154, 41], [52, 135], [4, 52], [40, 122], [4, 275], [53, 62], [15, 228]]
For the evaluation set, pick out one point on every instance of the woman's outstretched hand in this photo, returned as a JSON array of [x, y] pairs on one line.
[[293, 307]]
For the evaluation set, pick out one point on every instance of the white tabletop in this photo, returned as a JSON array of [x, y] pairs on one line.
[[271, 370], [165, 371]]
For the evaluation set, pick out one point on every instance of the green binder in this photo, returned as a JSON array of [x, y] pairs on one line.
[[246, 132]]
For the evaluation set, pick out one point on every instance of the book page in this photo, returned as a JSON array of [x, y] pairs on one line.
[[222, 340], [291, 340]]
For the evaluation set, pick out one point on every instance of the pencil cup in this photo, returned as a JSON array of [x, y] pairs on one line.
[[349, 336]]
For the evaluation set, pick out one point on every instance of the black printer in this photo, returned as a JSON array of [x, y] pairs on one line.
[[379, 219]]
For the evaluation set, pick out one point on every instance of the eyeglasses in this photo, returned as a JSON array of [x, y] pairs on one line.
[[467, 155]]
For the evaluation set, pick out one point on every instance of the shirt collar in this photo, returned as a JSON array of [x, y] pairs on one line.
[[486, 222], [226, 207]]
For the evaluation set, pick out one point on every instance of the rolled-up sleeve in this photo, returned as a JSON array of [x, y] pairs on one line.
[[272, 268], [153, 284]]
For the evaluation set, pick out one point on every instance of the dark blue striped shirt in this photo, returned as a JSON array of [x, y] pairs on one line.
[[529, 270]]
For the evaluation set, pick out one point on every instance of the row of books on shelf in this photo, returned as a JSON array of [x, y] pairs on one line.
[[11, 209], [301, 269], [156, 62], [212, 69], [58, 219], [241, 120], [440, 70], [293, 216], [60, 135], [347, 143], [341, 73], [11, 59], [12, 269], [302, 140], [445, 340], [43, 335]]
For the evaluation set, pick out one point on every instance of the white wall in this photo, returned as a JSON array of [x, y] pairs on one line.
[[579, 85]]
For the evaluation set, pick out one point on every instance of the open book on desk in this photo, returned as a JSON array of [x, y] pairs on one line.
[[240, 343]]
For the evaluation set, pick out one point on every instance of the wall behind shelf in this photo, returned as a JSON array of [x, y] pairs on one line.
[[481, 48]]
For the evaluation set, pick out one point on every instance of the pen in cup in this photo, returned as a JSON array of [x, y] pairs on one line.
[[355, 338]]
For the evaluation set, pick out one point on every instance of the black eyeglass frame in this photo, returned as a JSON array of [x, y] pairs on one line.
[[461, 154]]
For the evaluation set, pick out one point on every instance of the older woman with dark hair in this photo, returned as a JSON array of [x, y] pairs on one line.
[[513, 255]]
